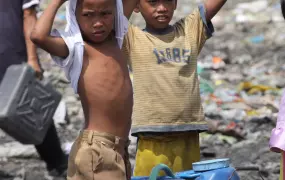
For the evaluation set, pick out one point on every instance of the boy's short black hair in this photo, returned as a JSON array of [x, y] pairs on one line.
[[283, 7]]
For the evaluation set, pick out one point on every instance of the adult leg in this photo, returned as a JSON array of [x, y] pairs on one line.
[[50, 151]]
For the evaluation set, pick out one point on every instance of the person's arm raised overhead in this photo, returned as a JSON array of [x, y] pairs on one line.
[[129, 6], [213, 7], [41, 32]]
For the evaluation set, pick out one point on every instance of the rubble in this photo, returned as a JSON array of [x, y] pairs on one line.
[[241, 72]]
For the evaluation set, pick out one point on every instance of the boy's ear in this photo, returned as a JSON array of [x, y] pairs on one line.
[[137, 9], [175, 4]]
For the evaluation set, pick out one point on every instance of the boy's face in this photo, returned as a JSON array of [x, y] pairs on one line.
[[96, 19], [157, 13]]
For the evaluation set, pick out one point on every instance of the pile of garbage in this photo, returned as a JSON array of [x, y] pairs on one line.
[[241, 71]]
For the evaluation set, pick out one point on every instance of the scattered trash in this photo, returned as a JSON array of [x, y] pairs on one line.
[[60, 114], [15, 149], [67, 147], [256, 39]]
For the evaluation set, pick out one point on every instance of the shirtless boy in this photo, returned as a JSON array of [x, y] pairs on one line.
[[103, 85]]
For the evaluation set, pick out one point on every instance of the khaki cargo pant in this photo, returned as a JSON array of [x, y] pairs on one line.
[[99, 156]]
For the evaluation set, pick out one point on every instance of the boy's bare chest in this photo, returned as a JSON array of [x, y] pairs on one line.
[[104, 59], [104, 71]]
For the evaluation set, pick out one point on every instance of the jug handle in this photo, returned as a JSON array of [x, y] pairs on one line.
[[158, 168]]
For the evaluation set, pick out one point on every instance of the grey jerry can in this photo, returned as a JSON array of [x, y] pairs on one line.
[[27, 105]]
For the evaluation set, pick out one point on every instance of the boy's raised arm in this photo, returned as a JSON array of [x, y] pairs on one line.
[[41, 32], [212, 8], [129, 6]]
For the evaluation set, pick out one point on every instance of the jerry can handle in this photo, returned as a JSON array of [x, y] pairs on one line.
[[155, 171], [30, 68]]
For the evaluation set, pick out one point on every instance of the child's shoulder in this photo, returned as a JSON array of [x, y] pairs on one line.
[[132, 28]]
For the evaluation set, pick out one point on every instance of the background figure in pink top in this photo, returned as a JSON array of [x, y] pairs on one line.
[[277, 140], [283, 7]]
